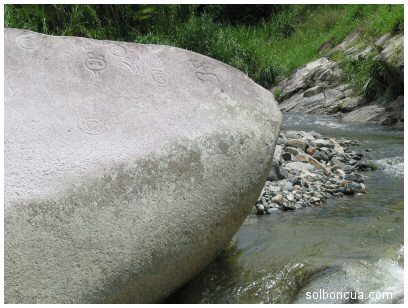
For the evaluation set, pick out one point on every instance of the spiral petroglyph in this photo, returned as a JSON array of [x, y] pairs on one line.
[[152, 60], [117, 50], [160, 79], [26, 42], [92, 126]]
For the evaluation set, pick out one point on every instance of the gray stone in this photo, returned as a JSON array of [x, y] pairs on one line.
[[340, 173], [336, 162], [275, 173], [366, 114], [289, 207], [314, 91], [350, 103], [278, 199], [382, 40], [292, 150], [287, 156], [290, 197], [304, 76], [260, 209], [297, 143], [299, 166], [128, 167], [288, 186], [282, 141], [320, 143], [272, 209], [355, 177], [278, 153], [393, 55], [291, 134], [320, 156], [350, 41], [315, 135]]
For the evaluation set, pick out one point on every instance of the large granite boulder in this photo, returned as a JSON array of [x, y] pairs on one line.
[[127, 167]]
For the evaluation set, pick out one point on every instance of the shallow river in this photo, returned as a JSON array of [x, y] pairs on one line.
[[351, 250]]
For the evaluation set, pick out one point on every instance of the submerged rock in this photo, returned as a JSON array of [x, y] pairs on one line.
[[128, 167]]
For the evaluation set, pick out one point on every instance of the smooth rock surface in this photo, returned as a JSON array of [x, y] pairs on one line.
[[127, 167]]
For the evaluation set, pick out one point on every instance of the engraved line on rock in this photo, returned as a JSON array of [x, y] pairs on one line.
[[92, 126], [26, 42], [152, 60], [134, 65], [95, 64], [160, 79], [117, 50]]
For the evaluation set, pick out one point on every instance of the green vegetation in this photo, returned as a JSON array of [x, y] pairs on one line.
[[265, 41]]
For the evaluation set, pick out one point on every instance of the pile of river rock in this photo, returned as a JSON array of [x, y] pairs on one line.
[[309, 168]]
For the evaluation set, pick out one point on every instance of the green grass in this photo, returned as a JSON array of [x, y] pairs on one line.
[[267, 51]]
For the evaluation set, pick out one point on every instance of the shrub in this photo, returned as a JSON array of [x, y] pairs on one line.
[[269, 76]]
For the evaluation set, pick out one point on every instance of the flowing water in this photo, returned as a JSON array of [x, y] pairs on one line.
[[353, 245]]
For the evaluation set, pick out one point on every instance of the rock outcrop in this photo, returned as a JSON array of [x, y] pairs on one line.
[[321, 86], [127, 167]]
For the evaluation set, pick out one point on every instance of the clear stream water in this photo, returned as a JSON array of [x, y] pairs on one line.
[[352, 245]]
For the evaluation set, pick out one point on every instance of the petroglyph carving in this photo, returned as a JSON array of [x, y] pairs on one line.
[[92, 126], [134, 65], [203, 73], [117, 50], [151, 60], [160, 79], [95, 64], [26, 42]]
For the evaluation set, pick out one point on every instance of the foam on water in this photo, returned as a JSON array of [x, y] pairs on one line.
[[393, 166], [376, 282]]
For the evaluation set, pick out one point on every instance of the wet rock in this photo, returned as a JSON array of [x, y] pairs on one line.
[[260, 209], [272, 210], [348, 169], [289, 207], [355, 177]]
